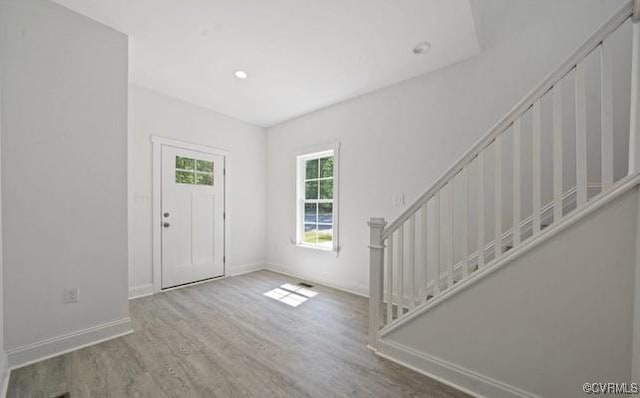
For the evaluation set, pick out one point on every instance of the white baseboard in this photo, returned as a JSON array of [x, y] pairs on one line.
[[30, 353], [358, 291], [462, 379], [140, 291], [245, 269]]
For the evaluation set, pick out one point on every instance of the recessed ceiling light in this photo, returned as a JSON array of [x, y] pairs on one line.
[[240, 74], [422, 48]]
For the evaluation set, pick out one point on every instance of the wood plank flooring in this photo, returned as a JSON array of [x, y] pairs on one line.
[[226, 339]]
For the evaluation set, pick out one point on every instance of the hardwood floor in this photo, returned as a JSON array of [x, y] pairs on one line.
[[226, 339]]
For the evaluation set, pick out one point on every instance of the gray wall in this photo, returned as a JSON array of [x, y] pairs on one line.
[[553, 319], [64, 170]]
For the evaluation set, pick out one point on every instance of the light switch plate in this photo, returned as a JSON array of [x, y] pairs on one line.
[[71, 295], [398, 199]]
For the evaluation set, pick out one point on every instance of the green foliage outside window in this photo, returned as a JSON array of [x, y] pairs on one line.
[[192, 171]]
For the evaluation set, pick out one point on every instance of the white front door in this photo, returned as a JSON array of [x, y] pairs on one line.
[[192, 216]]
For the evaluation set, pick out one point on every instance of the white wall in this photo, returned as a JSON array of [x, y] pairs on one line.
[[64, 173], [400, 139], [156, 114], [559, 316]]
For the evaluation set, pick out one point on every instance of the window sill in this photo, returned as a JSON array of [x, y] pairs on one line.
[[318, 248]]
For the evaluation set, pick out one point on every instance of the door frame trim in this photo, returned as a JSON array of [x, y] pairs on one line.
[[157, 143]]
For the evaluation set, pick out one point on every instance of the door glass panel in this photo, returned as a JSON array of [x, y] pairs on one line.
[[184, 177], [204, 179], [184, 163], [204, 165], [185, 168]]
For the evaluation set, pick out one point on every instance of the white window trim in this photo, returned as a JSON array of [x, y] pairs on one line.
[[299, 203]]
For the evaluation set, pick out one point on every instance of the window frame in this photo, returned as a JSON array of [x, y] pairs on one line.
[[301, 159]]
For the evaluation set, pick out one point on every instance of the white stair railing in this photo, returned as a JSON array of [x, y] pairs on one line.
[[413, 259]]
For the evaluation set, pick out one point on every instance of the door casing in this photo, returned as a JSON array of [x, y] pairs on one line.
[[157, 143]]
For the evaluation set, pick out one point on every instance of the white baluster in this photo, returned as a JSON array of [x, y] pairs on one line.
[[606, 104], [497, 242], [412, 262], [451, 247], [557, 152], [390, 271], [436, 242], [464, 236], [536, 164], [481, 209], [516, 182], [425, 252], [581, 137], [400, 306]]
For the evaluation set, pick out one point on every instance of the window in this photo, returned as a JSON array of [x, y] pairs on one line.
[[317, 210], [194, 171]]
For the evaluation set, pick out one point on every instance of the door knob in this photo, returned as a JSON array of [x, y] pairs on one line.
[[166, 225]]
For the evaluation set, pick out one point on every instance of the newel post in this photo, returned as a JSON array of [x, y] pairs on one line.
[[634, 131], [376, 275]]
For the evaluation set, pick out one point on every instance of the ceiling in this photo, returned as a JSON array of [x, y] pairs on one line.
[[301, 55]]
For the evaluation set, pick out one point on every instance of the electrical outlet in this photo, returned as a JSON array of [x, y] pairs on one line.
[[71, 295]]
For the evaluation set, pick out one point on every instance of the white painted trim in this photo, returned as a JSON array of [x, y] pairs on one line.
[[238, 270], [621, 187], [465, 380], [157, 143], [280, 269], [140, 291], [189, 146], [48, 348], [156, 189]]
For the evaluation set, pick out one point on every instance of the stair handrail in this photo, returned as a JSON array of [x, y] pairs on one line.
[[385, 313], [626, 11]]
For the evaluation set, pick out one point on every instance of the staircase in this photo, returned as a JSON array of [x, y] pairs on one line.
[[452, 236]]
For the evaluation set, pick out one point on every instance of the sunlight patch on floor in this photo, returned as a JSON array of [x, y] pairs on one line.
[[292, 295]]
